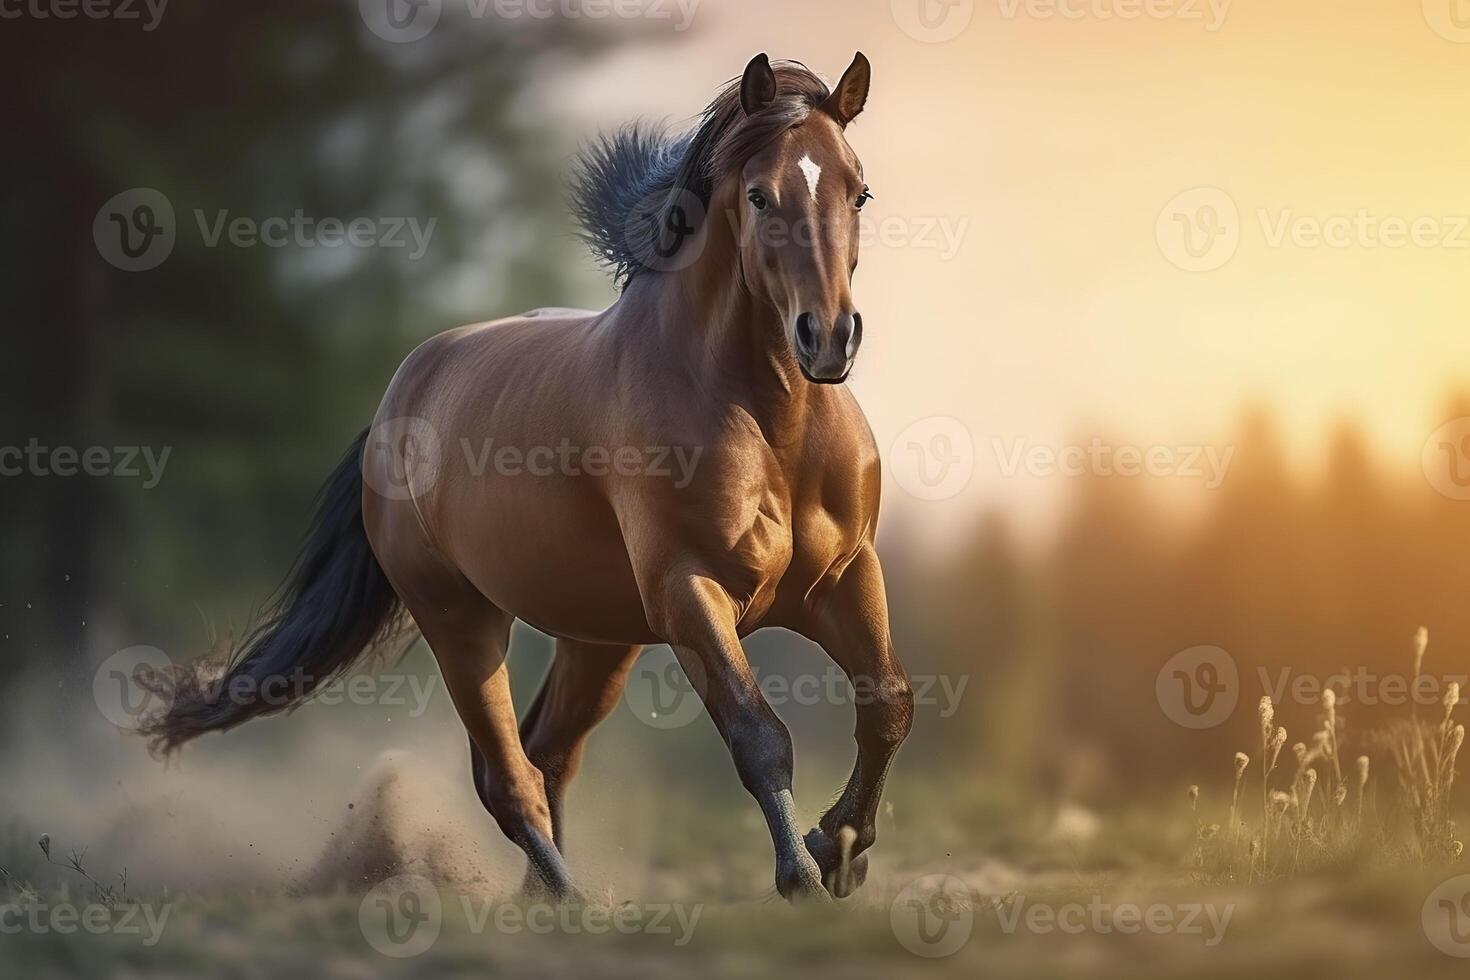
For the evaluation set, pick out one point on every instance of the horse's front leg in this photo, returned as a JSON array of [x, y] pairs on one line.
[[697, 618], [848, 616]]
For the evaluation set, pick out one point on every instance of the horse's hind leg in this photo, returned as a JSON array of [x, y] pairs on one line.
[[582, 688], [470, 638]]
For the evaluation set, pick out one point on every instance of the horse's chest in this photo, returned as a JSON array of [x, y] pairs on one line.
[[787, 546]]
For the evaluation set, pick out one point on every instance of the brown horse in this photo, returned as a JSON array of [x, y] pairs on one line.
[[520, 469]]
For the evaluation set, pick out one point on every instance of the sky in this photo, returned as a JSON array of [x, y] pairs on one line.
[[1028, 283]]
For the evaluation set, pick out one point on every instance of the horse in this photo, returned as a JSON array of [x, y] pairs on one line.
[[735, 247]]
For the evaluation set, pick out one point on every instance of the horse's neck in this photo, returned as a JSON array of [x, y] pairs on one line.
[[734, 344]]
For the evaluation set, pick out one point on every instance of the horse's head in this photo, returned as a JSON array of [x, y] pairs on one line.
[[801, 194]]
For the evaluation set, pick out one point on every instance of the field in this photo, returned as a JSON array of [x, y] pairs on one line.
[[997, 888]]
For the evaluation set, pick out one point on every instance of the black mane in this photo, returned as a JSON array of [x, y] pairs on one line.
[[626, 183]]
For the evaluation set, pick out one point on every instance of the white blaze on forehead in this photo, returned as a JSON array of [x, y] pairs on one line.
[[813, 174]]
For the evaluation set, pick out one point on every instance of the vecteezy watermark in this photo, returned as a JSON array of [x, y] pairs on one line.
[[1446, 917], [934, 458], [942, 234], [1098, 916], [1200, 230], [133, 684], [675, 463], [661, 695], [1199, 687], [403, 916], [1446, 459], [1209, 13], [405, 456], [33, 914], [402, 458], [137, 230], [672, 919], [1450, 19], [405, 21], [304, 231], [122, 686], [148, 13], [1209, 464], [932, 21], [1359, 685], [666, 232], [933, 916], [123, 462]]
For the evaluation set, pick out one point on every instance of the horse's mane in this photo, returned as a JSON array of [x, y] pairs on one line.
[[626, 180]]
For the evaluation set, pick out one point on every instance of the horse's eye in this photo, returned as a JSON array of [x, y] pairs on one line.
[[757, 199], [863, 198]]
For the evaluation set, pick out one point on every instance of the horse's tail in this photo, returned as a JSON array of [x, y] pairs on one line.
[[335, 605]]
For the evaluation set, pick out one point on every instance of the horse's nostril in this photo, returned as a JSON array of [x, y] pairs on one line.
[[857, 334], [804, 337]]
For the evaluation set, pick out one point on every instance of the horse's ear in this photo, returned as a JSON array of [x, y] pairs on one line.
[[851, 93], [757, 85]]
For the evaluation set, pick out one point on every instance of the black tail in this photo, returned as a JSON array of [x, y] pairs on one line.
[[335, 606]]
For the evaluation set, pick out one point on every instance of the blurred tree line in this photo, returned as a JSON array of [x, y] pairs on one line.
[[1291, 576], [255, 366]]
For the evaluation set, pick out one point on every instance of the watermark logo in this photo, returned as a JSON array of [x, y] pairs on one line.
[[402, 458], [666, 231], [1450, 19], [400, 21], [1446, 917], [1098, 916], [406, 21], [1210, 13], [124, 462], [933, 916], [123, 685], [677, 464], [402, 916], [1199, 230], [135, 231], [301, 230], [36, 916], [1359, 685], [674, 920], [663, 696], [932, 21], [943, 235], [1446, 459], [148, 12], [1208, 464], [660, 693], [1198, 687], [934, 458]]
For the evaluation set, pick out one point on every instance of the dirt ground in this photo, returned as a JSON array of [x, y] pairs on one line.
[[400, 892]]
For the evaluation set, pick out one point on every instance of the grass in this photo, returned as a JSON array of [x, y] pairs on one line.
[[1320, 864], [1314, 811]]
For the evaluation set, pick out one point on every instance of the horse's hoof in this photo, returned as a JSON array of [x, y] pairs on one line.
[[534, 888], [801, 882], [828, 855]]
